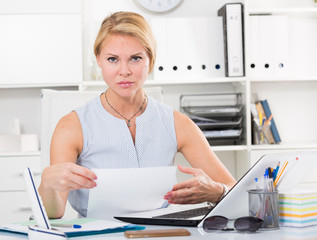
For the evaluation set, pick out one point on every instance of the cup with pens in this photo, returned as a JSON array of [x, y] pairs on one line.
[[263, 202]]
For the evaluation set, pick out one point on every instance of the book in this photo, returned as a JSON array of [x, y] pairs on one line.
[[89, 226], [232, 15], [269, 115], [266, 130]]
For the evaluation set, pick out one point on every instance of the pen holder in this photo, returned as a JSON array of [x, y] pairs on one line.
[[264, 205], [263, 134]]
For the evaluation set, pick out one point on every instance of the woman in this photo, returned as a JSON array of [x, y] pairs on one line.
[[125, 128]]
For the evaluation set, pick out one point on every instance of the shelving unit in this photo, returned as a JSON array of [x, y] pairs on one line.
[[34, 54], [292, 97]]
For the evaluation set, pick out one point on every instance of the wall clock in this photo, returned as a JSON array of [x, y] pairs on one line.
[[159, 6]]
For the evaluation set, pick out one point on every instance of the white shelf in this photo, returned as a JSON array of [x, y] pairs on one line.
[[229, 148], [151, 82], [286, 146], [19, 154], [304, 10], [39, 85], [284, 79]]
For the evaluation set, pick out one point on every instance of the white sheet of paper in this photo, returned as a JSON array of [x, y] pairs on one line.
[[128, 190]]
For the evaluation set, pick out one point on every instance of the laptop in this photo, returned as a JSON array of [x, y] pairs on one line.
[[235, 203]]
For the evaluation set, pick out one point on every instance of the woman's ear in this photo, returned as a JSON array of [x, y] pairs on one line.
[[98, 60]]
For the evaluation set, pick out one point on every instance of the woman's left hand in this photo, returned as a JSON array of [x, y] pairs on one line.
[[200, 188]]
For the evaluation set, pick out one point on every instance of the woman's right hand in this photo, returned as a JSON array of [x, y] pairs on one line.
[[64, 177]]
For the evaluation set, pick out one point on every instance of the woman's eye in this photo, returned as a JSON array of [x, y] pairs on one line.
[[112, 59], [136, 59]]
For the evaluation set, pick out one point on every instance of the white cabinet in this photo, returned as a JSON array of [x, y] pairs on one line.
[[14, 201], [40, 49]]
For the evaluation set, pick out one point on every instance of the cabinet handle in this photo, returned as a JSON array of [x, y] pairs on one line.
[[36, 173], [25, 209]]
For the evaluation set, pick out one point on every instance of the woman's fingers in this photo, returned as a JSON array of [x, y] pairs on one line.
[[75, 181], [189, 170], [82, 171], [69, 176], [198, 189]]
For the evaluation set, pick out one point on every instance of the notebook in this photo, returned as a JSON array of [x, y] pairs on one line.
[[235, 203]]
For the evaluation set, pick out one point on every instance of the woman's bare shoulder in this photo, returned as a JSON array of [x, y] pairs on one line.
[[68, 133]]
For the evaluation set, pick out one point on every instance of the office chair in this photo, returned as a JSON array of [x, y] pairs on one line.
[[56, 104]]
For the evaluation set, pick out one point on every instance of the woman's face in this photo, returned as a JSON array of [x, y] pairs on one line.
[[124, 63]]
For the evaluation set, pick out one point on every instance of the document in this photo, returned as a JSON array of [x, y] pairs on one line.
[[128, 190]]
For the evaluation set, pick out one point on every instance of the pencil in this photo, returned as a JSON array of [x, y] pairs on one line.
[[268, 120], [287, 171]]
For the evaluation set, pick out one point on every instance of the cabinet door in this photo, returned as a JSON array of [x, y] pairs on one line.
[[40, 49], [14, 207], [12, 169]]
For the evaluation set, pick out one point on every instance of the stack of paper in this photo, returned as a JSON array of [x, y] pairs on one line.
[[298, 209]]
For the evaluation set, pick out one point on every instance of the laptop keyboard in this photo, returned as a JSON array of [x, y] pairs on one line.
[[186, 214]]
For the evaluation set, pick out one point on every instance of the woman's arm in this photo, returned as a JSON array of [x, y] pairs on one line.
[[207, 169], [64, 174]]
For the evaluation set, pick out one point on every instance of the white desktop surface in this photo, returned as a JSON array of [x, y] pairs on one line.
[[308, 233]]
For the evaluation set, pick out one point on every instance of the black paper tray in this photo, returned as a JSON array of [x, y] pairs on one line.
[[217, 123], [223, 134], [214, 111]]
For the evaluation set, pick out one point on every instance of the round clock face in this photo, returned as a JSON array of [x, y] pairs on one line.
[[159, 5]]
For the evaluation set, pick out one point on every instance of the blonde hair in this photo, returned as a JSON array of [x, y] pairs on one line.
[[128, 23]]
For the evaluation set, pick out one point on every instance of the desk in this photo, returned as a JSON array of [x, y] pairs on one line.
[[308, 233]]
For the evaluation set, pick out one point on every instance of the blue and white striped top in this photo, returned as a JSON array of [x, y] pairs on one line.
[[109, 144]]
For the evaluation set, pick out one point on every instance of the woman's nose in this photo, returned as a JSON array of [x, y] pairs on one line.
[[125, 69]]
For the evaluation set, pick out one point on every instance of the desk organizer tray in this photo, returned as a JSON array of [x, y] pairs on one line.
[[219, 116], [224, 137], [223, 134], [212, 105], [217, 123], [214, 111]]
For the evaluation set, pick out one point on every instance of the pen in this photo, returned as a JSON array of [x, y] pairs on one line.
[[276, 171], [271, 185], [257, 184], [266, 181], [66, 225]]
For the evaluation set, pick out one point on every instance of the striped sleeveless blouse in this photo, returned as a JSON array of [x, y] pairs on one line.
[[109, 144]]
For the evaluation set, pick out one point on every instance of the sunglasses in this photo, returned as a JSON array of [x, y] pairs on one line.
[[243, 224]]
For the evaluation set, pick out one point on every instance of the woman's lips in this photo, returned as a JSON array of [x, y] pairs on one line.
[[125, 84]]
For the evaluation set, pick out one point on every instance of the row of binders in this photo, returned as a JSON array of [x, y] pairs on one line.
[[264, 130], [215, 45], [217, 115]]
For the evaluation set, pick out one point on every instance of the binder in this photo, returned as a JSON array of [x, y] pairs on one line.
[[268, 113], [232, 15], [268, 46], [188, 48]]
